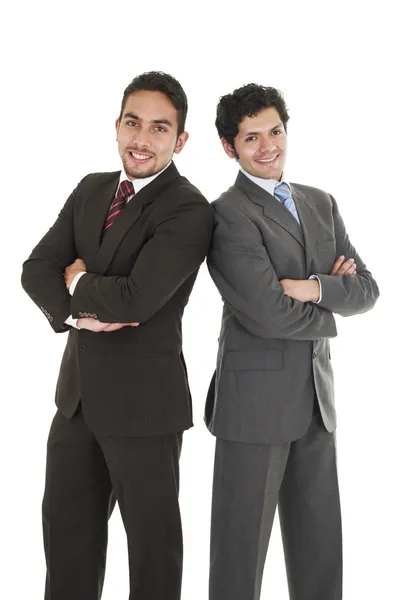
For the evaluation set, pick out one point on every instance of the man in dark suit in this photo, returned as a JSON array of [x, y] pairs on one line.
[[283, 263], [116, 270]]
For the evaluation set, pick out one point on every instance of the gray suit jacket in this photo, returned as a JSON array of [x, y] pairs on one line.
[[274, 352]]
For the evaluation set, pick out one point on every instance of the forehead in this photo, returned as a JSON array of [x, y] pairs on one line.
[[265, 120], [151, 106]]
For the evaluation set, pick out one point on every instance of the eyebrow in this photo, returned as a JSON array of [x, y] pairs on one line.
[[157, 121], [272, 129]]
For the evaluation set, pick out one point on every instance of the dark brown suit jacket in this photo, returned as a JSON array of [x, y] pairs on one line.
[[133, 381]]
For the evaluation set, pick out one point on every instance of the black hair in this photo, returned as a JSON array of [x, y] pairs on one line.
[[157, 81], [247, 101]]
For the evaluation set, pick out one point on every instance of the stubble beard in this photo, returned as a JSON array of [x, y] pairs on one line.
[[137, 173]]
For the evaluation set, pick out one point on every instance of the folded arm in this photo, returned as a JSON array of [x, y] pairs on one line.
[[346, 295], [176, 250], [42, 274], [244, 275]]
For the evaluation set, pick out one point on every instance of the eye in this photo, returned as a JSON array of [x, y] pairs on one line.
[[131, 123], [160, 129], [277, 132], [251, 138]]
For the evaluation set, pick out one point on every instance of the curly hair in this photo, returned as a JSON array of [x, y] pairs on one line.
[[157, 81], [247, 101]]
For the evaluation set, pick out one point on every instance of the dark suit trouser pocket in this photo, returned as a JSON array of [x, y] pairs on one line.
[[85, 475], [250, 480]]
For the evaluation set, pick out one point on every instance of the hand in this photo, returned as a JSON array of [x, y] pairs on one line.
[[116, 326], [304, 290], [72, 270], [97, 326], [342, 267]]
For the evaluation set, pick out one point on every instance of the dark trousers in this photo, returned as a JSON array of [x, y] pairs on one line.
[[85, 476], [250, 480]]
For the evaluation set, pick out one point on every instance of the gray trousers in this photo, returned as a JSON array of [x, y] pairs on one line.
[[250, 480]]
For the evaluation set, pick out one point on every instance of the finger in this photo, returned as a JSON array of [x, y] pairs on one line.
[[337, 264], [114, 327], [133, 324], [345, 267], [342, 267], [351, 269], [104, 326]]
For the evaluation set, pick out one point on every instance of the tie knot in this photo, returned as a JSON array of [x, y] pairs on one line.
[[282, 192], [126, 189]]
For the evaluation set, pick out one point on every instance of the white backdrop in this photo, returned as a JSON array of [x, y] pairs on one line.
[[64, 70]]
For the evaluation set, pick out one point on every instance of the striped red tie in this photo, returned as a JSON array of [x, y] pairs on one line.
[[126, 189]]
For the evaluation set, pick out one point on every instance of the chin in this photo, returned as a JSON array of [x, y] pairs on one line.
[[141, 174]]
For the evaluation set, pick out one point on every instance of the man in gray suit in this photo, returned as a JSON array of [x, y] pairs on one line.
[[283, 263]]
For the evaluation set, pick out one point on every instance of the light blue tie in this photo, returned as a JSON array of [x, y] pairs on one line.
[[283, 194]]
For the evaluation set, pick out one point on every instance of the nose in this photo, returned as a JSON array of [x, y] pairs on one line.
[[139, 138], [266, 144]]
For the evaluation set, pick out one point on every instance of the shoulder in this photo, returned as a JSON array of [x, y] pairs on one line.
[[236, 216], [233, 198], [185, 206], [313, 193], [93, 179], [234, 205], [184, 196], [184, 191]]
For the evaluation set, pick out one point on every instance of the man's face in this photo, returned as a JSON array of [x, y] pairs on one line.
[[147, 134], [260, 145]]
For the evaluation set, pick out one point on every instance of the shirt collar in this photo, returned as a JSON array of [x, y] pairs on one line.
[[267, 184], [140, 183]]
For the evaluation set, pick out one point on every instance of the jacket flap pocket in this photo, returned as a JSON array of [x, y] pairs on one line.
[[253, 360]]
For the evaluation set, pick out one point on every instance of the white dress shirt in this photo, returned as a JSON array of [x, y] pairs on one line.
[[139, 184]]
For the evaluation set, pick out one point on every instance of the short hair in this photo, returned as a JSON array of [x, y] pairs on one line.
[[247, 101], [157, 81]]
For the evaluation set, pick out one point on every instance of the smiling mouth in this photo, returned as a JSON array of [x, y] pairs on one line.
[[267, 161], [138, 157]]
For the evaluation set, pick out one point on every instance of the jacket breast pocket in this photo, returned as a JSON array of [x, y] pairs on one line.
[[253, 360]]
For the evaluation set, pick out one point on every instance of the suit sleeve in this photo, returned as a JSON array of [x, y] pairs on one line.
[[346, 295], [42, 273], [244, 275], [176, 250]]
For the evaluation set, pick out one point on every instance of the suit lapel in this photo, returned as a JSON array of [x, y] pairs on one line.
[[126, 219], [308, 220], [272, 208]]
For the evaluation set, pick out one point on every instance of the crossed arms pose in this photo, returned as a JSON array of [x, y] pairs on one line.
[[116, 271], [283, 263]]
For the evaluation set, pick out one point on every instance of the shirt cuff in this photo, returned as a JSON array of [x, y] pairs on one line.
[[72, 322], [321, 289], [75, 282]]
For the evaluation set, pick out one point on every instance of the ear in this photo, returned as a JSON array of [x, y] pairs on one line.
[[181, 141], [228, 148], [117, 127]]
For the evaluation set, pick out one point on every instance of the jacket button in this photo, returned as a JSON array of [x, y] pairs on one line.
[[314, 354], [82, 347]]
